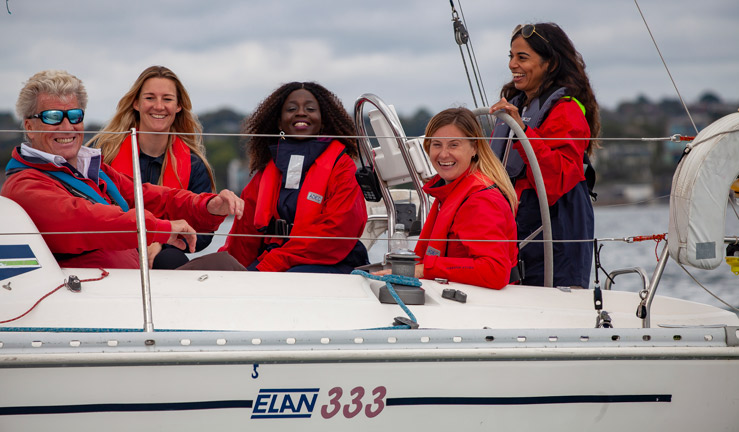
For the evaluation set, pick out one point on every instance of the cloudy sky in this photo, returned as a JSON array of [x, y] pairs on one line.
[[233, 53]]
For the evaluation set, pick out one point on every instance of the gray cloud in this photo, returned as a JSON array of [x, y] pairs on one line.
[[233, 53]]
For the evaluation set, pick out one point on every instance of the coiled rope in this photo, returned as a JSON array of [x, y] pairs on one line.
[[389, 280]]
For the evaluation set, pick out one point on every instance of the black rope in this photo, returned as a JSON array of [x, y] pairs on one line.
[[598, 266]]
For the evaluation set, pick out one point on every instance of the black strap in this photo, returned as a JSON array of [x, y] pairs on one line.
[[517, 273], [589, 176]]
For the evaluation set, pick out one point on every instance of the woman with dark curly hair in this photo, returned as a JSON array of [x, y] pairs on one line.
[[550, 97], [304, 187]]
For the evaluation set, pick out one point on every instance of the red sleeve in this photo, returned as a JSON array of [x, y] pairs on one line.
[[53, 209], [170, 204], [245, 249], [560, 160], [486, 264], [344, 215]]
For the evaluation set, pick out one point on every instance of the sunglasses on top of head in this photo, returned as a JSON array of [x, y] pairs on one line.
[[55, 117], [527, 30]]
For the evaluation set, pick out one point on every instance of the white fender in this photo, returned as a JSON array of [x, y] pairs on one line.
[[699, 195]]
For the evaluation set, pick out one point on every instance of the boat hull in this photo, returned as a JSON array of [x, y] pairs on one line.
[[558, 379]]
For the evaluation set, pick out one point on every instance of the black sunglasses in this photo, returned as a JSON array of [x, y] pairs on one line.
[[55, 117], [526, 31]]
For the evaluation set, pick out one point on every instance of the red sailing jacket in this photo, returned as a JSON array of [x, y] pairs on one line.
[[123, 163], [330, 204], [560, 160], [53, 208], [465, 210]]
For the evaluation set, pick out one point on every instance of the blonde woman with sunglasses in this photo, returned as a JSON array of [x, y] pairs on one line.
[[65, 188], [550, 96]]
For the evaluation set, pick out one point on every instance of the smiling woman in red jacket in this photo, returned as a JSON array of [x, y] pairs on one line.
[[550, 97], [304, 187], [470, 233], [156, 104]]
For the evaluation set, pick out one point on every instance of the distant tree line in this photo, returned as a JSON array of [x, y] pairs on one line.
[[617, 161]]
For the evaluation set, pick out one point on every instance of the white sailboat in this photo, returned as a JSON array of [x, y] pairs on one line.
[[198, 350], [268, 351]]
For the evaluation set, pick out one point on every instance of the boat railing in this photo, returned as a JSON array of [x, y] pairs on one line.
[[138, 196], [646, 294], [415, 167]]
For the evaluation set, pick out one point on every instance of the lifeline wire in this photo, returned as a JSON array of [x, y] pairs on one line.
[[674, 138]]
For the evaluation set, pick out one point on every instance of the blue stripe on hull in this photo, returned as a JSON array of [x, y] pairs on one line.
[[416, 401], [121, 407], [531, 400]]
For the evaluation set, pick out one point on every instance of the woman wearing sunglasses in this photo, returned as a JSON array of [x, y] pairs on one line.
[[304, 187], [64, 188], [158, 102], [550, 96]]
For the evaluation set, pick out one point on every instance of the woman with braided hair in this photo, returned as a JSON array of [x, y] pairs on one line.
[[304, 186]]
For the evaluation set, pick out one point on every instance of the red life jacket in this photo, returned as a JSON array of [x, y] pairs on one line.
[[311, 196], [441, 216], [123, 163]]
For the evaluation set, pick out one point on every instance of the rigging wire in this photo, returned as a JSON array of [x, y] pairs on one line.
[[462, 37], [475, 64], [666, 68], [732, 308]]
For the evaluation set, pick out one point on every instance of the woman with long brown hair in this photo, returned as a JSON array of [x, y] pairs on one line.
[[550, 97]]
